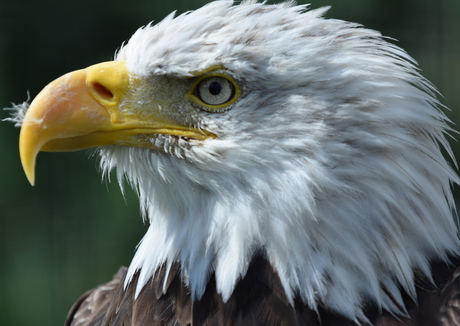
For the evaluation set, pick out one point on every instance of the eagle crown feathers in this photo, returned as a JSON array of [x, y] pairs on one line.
[[329, 163]]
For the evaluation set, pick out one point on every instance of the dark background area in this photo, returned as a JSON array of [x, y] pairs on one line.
[[72, 231]]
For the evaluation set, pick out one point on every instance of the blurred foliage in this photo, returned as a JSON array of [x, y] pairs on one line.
[[72, 231]]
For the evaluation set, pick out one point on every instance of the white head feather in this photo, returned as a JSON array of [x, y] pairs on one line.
[[329, 163]]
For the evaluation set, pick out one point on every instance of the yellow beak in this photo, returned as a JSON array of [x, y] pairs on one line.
[[84, 109]]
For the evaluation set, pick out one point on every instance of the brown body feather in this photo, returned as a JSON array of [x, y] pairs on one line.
[[258, 299]]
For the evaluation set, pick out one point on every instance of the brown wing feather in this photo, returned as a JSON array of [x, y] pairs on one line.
[[112, 305], [258, 299], [91, 308], [450, 301]]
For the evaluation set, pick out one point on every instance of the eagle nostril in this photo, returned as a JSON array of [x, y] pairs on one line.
[[102, 91]]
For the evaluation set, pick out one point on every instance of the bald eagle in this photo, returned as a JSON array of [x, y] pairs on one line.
[[290, 166]]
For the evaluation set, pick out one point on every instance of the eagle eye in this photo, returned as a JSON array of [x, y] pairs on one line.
[[215, 93], [215, 90]]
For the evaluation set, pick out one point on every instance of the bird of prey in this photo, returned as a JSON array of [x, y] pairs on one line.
[[291, 167]]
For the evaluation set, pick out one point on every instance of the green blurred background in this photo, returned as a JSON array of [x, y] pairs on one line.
[[72, 231]]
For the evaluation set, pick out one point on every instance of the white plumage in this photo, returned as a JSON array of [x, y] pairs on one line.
[[329, 163]]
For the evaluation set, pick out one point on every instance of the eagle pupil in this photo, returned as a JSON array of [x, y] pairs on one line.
[[215, 88]]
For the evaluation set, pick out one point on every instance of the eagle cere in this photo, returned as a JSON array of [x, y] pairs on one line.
[[263, 140]]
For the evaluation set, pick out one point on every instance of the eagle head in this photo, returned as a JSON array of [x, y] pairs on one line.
[[266, 129]]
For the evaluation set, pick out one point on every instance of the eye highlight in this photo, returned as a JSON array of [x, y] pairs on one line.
[[215, 92]]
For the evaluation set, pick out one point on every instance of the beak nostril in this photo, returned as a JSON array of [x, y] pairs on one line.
[[103, 91]]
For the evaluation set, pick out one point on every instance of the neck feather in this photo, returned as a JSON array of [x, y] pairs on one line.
[[333, 245]]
